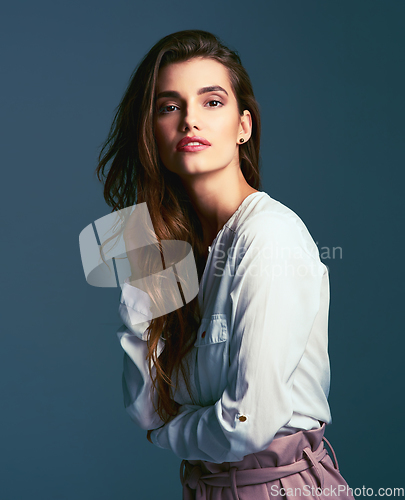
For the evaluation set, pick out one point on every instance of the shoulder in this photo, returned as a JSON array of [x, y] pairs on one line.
[[266, 222]]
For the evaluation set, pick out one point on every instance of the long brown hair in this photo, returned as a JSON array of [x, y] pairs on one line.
[[136, 175]]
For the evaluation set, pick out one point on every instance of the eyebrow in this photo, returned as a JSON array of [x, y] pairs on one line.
[[203, 90]]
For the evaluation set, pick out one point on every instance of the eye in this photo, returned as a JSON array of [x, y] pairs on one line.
[[164, 109], [219, 103]]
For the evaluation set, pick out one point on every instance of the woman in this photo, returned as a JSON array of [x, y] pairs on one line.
[[236, 381]]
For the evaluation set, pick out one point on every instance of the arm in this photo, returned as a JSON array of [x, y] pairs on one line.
[[275, 299], [136, 381]]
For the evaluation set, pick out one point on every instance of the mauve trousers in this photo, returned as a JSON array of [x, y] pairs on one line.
[[292, 467]]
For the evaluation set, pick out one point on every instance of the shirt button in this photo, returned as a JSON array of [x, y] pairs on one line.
[[203, 335], [242, 418]]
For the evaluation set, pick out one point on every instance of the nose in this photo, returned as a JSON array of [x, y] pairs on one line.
[[190, 118]]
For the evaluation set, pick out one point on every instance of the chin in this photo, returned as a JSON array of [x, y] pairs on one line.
[[192, 168], [199, 169]]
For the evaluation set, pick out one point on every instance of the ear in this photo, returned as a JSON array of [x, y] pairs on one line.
[[245, 128]]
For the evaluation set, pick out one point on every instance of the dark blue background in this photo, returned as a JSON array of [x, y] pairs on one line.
[[329, 77]]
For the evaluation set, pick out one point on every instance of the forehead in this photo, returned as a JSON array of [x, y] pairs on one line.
[[193, 74]]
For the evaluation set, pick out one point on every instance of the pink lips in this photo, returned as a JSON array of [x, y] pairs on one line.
[[185, 146]]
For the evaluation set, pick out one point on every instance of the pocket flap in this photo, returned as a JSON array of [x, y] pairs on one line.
[[212, 330]]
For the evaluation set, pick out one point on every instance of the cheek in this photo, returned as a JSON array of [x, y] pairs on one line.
[[162, 134], [159, 137], [229, 126]]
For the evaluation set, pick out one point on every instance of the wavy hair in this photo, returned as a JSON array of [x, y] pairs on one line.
[[136, 175]]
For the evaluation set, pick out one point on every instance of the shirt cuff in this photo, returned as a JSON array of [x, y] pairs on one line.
[[154, 437]]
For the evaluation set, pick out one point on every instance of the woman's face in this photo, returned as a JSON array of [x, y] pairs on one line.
[[195, 99]]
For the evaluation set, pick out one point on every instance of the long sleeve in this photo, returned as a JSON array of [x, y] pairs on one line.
[[275, 297], [136, 381]]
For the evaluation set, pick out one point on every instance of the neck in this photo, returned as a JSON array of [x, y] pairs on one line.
[[215, 199]]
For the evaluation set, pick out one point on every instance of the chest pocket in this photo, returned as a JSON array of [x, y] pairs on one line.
[[212, 358], [212, 330]]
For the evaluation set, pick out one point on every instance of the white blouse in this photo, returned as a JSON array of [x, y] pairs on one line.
[[259, 367]]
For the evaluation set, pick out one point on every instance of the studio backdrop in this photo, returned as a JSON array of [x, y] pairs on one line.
[[329, 78]]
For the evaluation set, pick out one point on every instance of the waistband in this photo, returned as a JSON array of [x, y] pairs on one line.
[[308, 449]]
